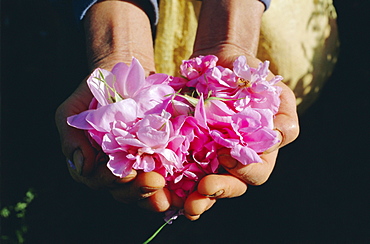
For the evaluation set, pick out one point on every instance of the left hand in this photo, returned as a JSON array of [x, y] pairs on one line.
[[234, 184]]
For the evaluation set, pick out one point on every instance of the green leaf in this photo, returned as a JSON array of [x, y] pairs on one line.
[[5, 212], [20, 206], [29, 196]]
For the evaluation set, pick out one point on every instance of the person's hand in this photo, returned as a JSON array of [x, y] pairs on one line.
[[115, 31], [234, 184], [87, 164], [229, 29]]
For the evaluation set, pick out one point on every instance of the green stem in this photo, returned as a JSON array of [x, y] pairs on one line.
[[156, 233]]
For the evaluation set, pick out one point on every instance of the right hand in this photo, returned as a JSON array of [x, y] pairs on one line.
[[115, 31], [87, 164]]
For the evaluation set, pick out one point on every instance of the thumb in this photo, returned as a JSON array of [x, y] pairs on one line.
[[254, 173], [81, 155]]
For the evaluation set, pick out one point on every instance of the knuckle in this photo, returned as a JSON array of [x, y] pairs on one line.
[[210, 184], [255, 176], [292, 131], [257, 181], [289, 127]]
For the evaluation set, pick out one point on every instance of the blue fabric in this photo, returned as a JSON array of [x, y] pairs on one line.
[[267, 3], [81, 7]]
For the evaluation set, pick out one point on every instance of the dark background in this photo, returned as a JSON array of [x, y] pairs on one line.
[[318, 193]]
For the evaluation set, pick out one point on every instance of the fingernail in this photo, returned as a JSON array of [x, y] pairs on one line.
[[227, 161], [127, 178], [192, 217], [216, 194], [278, 143], [78, 161], [146, 189], [280, 136]]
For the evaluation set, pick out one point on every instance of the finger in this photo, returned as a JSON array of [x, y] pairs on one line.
[[75, 144], [254, 173], [221, 186], [160, 201], [101, 178], [196, 204], [143, 186], [279, 134], [78, 149], [286, 124], [286, 120], [127, 178]]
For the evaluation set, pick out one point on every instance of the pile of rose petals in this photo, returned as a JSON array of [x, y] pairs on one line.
[[176, 125]]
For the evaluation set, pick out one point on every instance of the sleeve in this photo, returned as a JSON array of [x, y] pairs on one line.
[[149, 6], [266, 3]]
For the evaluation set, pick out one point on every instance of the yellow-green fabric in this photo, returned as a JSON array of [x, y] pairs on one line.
[[178, 21], [298, 37]]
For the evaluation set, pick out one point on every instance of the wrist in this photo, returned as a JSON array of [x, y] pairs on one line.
[[116, 31], [229, 24]]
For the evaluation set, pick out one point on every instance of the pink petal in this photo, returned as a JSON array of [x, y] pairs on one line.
[[241, 69], [217, 112], [246, 121], [98, 88], [263, 69], [102, 118], [119, 164], [145, 163], [153, 137], [275, 80], [170, 160], [151, 99], [135, 78], [200, 113], [219, 138], [245, 155], [154, 130], [158, 79], [130, 141], [121, 70], [262, 140], [79, 121], [97, 137], [109, 144]]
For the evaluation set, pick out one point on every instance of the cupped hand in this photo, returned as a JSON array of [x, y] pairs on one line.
[[87, 163], [234, 184]]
